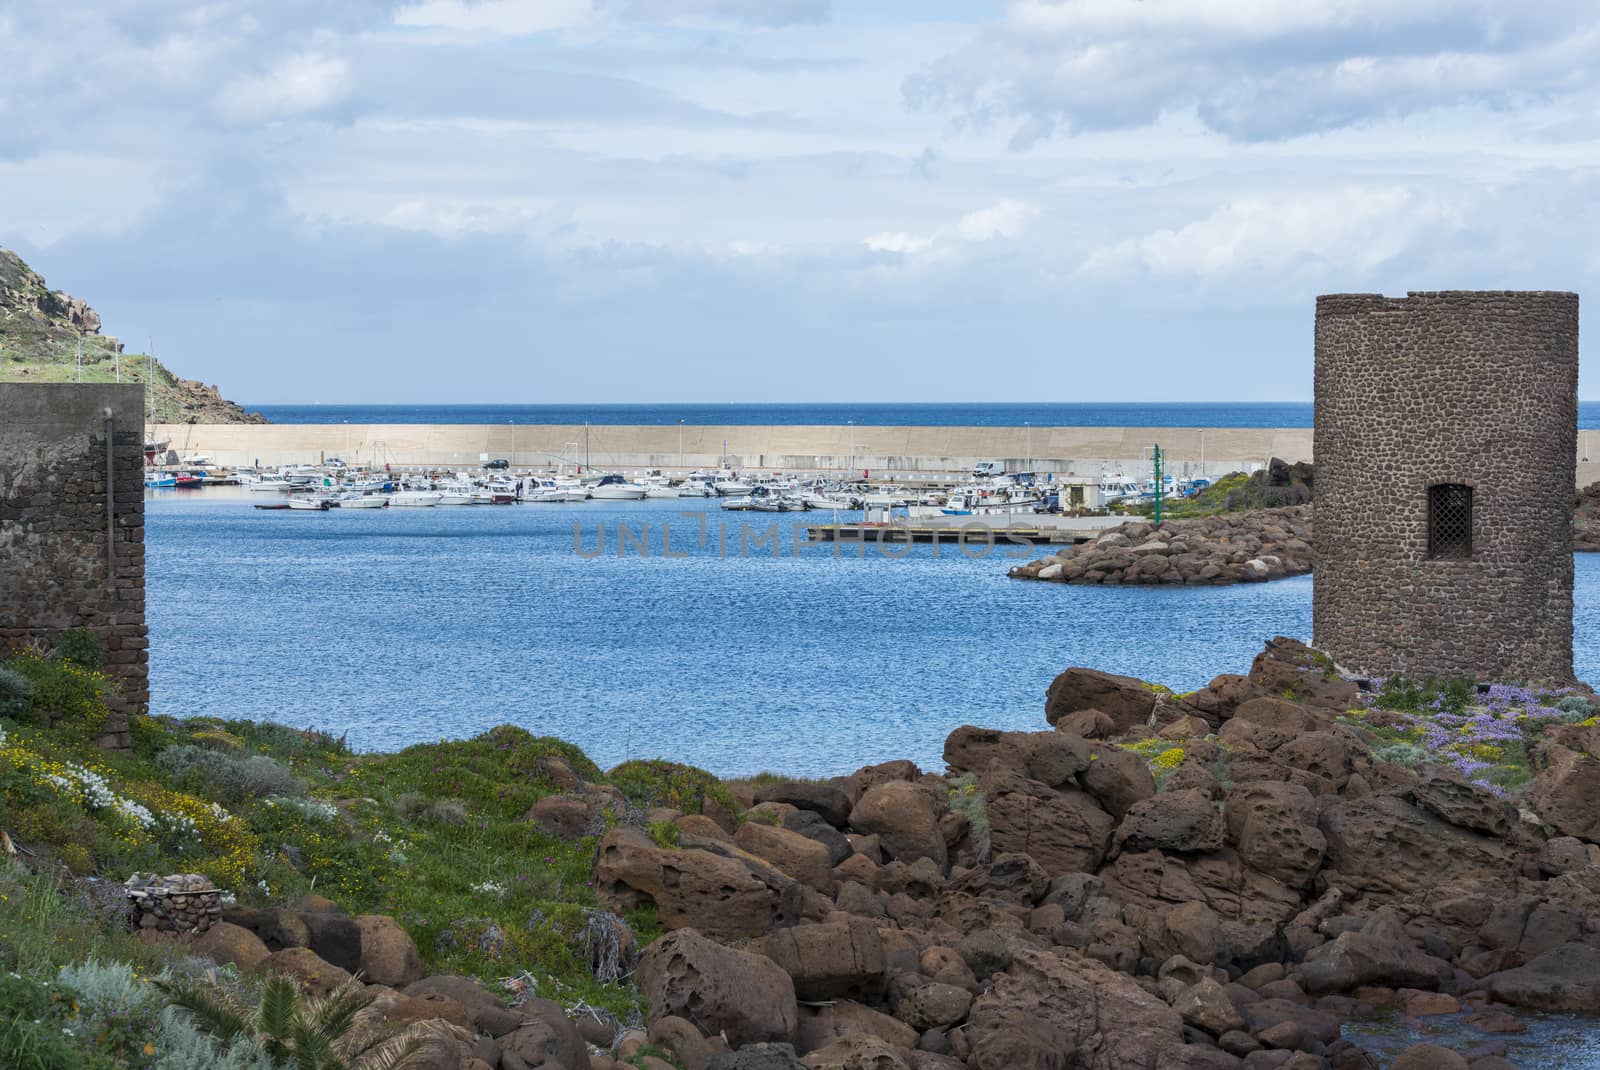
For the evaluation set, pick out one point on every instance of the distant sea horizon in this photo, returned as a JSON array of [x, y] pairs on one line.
[[870, 414]]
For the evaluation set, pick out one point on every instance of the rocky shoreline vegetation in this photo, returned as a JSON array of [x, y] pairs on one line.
[[1247, 547], [1218, 880]]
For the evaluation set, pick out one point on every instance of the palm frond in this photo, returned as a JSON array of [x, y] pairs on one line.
[[277, 1010], [392, 1054], [336, 1014], [214, 1008], [312, 1051]]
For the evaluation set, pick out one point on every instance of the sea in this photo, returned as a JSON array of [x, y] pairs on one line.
[[689, 633], [1039, 414]]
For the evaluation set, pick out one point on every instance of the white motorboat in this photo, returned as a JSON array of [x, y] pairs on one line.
[[614, 488], [694, 488], [662, 491], [269, 484], [312, 504], [415, 499], [732, 487], [814, 500], [364, 501]]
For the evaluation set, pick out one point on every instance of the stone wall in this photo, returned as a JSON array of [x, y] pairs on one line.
[[1475, 388], [56, 538]]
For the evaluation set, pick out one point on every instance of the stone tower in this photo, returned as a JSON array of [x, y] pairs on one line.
[[1445, 445]]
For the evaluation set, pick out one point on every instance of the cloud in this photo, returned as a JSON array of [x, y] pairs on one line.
[[1003, 220], [1348, 232], [296, 85], [751, 12], [1255, 69], [508, 17], [897, 242]]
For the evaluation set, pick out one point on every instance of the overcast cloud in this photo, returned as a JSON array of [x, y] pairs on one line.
[[640, 200]]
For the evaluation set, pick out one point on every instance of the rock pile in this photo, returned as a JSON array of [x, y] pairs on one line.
[[178, 902], [1212, 881], [1586, 519], [1252, 547]]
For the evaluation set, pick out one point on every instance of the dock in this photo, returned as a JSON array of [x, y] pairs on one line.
[[970, 530]]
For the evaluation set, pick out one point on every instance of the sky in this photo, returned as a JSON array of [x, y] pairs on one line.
[[786, 200]]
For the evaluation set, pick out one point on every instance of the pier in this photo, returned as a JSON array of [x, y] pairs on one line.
[[985, 531]]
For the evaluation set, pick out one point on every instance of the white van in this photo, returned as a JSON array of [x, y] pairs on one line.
[[988, 469]]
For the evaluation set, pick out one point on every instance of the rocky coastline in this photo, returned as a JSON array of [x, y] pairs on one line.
[[1247, 547], [1212, 881]]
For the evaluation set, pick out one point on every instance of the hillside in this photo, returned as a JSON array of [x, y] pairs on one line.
[[1278, 485], [42, 330]]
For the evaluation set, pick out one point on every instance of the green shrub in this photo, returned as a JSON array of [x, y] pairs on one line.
[[1400, 753], [16, 694], [81, 647], [182, 1046], [35, 1019], [1576, 707], [652, 782], [967, 798], [233, 778], [67, 697], [665, 833]]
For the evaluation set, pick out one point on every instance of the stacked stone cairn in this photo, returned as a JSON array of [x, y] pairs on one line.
[[178, 902]]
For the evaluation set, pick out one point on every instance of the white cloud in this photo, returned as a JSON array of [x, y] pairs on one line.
[[1005, 219], [298, 84], [897, 242], [1256, 69], [1349, 232], [506, 17]]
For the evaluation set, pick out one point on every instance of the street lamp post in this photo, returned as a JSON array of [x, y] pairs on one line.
[[680, 442], [513, 442], [1027, 426], [852, 425]]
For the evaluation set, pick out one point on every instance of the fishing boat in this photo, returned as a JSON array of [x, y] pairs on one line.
[[269, 484], [364, 501], [317, 505], [159, 480], [457, 495]]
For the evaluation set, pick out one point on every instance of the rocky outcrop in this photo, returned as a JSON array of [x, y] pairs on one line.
[[50, 336], [1252, 547]]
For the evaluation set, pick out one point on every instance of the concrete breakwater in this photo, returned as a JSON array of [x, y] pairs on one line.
[[878, 450]]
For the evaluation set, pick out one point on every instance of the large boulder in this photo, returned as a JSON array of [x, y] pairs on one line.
[[713, 887], [1117, 779], [859, 1051], [1566, 795], [1274, 826], [1109, 1021], [1379, 954], [825, 799], [317, 976], [1382, 846], [1064, 830], [1051, 758], [718, 989], [227, 944], [1172, 821], [1127, 701], [904, 819], [1206, 1005], [1566, 978], [1267, 723], [388, 954], [1464, 804], [804, 859], [833, 960], [1251, 906], [545, 1037], [335, 937]]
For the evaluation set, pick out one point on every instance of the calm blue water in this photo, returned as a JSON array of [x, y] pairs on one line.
[[404, 626], [1042, 414]]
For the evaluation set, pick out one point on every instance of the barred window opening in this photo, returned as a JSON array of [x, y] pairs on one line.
[[1450, 520]]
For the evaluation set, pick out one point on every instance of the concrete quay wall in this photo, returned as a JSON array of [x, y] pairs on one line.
[[886, 450]]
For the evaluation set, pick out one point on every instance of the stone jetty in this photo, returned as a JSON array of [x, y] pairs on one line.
[[1213, 881], [1248, 547]]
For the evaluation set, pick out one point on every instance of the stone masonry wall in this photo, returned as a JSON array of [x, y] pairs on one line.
[[54, 572], [1478, 388]]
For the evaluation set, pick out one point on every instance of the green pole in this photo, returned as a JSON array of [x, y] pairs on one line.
[[1159, 487]]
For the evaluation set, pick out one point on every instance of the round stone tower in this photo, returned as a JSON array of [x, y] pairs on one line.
[[1446, 445]]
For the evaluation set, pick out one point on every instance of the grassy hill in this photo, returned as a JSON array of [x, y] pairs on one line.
[[48, 336]]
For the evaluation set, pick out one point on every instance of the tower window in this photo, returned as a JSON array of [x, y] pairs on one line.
[[1449, 520]]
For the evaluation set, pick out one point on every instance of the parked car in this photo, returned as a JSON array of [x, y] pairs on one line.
[[498, 464], [988, 469]]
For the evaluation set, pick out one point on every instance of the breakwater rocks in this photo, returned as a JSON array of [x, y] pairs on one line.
[[1211, 881], [1252, 547], [1586, 519]]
